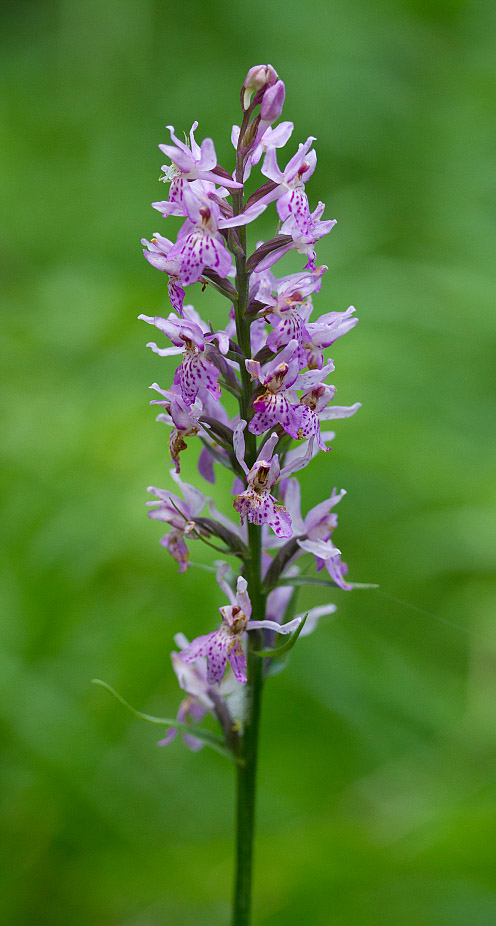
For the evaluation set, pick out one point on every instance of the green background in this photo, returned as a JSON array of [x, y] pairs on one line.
[[378, 754]]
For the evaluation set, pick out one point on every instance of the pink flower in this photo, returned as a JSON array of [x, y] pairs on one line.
[[180, 513], [274, 407], [226, 643], [287, 310], [256, 503], [323, 332], [191, 163], [195, 372], [290, 190], [271, 138], [193, 680], [199, 242], [315, 531], [157, 252]]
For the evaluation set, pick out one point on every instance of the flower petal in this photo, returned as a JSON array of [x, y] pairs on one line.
[[238, 661]]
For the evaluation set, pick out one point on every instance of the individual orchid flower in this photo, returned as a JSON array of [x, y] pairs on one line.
[[304, 236], [312, 402], [314, 405], [226, 643], [292, 201], [182, 417], [195, 372], [285, 309], [315, 531], [256, 503], [271, 138], [193, 162], [324, 331], [270, 108], [259, 78], [199, 699], [180, 514], [291, 237], [274, 407], [157, 252], [200, 245]]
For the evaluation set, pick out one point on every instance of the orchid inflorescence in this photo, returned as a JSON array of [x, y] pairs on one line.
[[271, 357]]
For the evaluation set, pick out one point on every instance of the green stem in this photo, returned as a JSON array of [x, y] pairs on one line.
[[247, 769], [248, 741], [245, 801]]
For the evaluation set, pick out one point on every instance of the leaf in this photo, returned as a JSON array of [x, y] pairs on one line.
[[213, 740], [286, 647]]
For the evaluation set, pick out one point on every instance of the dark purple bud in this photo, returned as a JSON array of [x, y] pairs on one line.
[[272, 102]]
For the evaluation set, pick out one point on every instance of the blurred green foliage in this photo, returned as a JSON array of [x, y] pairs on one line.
[[377, 779]]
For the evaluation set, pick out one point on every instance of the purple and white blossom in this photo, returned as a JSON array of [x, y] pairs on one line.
[[195, 372], [256, 503], [193, 162], [289, 191], [286, 310], [226, 643], [324, 332], [271, 138], [200, 698], [316, 530], [180, 513], [157, 253], [274, 407]]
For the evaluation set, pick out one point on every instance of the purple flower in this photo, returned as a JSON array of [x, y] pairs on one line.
[[292, 201], [256, 503], [305, 235], [180, 514], [193, 680], [157, 252], [315, 531], [323, 332], [226, 643], [184, 419], [284, 310], [195, 372], [259, 77], [274, 407], [191, 163], [199, 243], [313, 402], [271, 138], [271, 107]]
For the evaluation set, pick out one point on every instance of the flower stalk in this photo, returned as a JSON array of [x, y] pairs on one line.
[[271, 356]]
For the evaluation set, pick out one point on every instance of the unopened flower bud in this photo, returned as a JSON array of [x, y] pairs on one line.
[[272, 103], [259, 76]]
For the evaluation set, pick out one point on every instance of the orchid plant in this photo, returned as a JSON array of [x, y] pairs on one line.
[[271, 357]]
